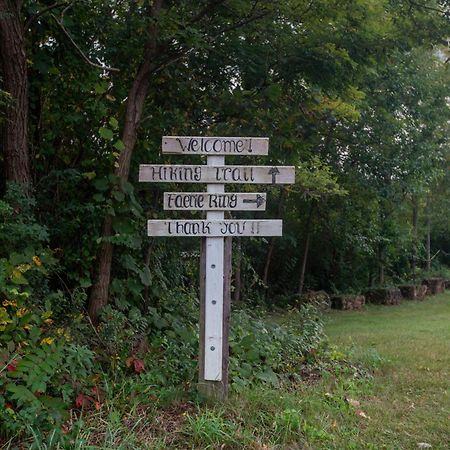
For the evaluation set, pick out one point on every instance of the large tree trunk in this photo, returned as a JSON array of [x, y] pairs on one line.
[[135, 106], [305, 249], [15, 82]]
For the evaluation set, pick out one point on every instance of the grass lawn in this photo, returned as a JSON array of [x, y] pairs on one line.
[[410, 400], [384, 385]]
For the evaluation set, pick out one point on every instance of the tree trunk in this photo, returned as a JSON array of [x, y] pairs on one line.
[[237, 274], [281, 199], [381, 258], [415, 214], [15, 81], [428, 243], [133, 114], [305, 250]]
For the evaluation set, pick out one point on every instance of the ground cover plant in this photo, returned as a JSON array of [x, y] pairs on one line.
[[382, 386]]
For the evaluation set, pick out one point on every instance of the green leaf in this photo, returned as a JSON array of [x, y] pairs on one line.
[[119, 145], [145, 276], [268, 376], [106, 133], [119, 196], [100, 88], [114, 123], [101, 184], [21, 393]]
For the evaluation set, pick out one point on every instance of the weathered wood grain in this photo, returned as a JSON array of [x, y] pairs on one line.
[[205, 145], [214, 228], [203, 201], [158, 173]]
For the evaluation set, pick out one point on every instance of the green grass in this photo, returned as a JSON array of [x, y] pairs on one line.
[[384, 385], [411, 398]]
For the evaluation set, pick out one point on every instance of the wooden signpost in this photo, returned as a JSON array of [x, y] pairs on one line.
[[216, 232]]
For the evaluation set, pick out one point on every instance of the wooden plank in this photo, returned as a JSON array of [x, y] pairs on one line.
[[214, 228], [206, 145], [203, 201], [215, 390], [227, 272], [158, 173], [214, 289]]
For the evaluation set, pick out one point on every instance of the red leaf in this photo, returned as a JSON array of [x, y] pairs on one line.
[[82, 400], [97, 405], [12, 366], [138, 365]]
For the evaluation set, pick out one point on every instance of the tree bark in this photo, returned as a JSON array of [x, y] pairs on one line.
[[135, 105], [381, 259], [281, 199], [15, 81], [428, 243], [305, 250], [415, 215], [237, 274]]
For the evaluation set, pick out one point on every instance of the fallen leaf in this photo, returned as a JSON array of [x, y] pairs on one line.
[[138, 365], [354, 403], [362, 414]]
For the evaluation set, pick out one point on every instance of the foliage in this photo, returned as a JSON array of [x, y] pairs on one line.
[[267, 352], [40, 366], [353, 94]]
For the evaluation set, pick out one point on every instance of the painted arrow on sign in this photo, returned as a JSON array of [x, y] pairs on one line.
[[274, 172], [159, 173], [259, 200], [214, 201]]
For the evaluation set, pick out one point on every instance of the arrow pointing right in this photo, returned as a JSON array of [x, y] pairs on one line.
[[259, 200]]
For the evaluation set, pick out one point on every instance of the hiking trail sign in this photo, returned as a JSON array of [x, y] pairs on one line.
[[215, 230]]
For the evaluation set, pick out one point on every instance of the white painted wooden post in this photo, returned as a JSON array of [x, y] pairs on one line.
[[216, 232], [214, 289]]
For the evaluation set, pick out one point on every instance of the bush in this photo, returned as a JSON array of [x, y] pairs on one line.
[[39, 365], [262, 350]]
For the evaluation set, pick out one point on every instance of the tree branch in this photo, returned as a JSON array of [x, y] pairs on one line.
[[212, 4], [429, 8], [36, 16], [83, 55]]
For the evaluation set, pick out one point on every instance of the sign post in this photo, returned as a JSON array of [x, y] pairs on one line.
[[216, 231]]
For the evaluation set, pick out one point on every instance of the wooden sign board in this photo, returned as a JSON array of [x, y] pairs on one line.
[[202, 201], [214, 228], [158, 173], [204, 145]]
